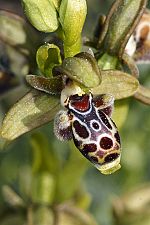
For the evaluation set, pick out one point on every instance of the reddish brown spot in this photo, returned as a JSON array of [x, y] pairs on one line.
[[117, 137], [111, 157], [104, 119], [98, 101], [90, 148], [80, 103], [78, 144], [80, 129], [106, 143], [144, 32]]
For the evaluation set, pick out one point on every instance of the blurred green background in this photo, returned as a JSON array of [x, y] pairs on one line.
[[135, 136]]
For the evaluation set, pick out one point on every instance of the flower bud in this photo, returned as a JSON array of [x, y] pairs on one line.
[[42, 14], [72, 16]]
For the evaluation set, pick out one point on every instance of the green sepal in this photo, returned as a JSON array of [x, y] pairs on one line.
[[47, 57], [82, 68], [117, 83]]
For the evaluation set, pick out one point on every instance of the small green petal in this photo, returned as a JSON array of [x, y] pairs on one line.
[[47, 57]]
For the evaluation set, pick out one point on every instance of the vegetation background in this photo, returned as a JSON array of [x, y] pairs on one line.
[[135, 136]]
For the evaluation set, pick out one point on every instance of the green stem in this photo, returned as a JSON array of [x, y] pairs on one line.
[[107, 62], [71, 50]]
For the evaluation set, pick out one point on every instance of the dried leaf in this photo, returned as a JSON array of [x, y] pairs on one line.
[[11, 197], [16, 32], [120, 23], [117, 83], [33, 110], [12, 28], [49, 85], [73, 216], [130, 63], [143, 95]]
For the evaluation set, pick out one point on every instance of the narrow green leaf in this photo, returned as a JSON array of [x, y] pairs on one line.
[[42, 14], [47, 57], [43, 188], [52, 85], [44, 155], [33, 110], [115, 82]]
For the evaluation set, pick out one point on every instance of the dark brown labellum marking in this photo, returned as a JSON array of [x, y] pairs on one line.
[[108, 110], [111, 157], [117, 137], [80, 130], [106, 143], [94, 159], [95, 125], [98, 101], [77, 143], [66, 134], [80, 103], [90, 148], [104, 119]]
